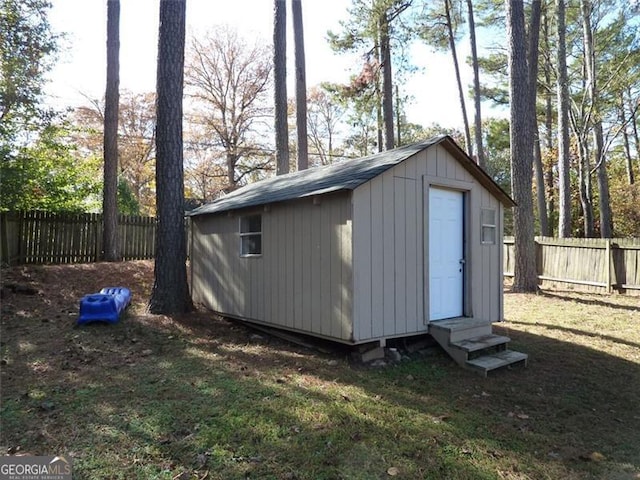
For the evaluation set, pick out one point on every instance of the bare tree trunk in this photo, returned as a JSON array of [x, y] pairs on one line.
[[387, 82], [634, 125], [540, 188], [606, 221], [379, 129], [301, 85], [398, 116], [548, 115], [627, 146], [170, 292], [380, 136], [231, 170], [549, 188], [454, 55], [586, 201], [476, 88], [112, 101], [532, 57], [521, 139], [604, 204], [280, 86], [564, 184]]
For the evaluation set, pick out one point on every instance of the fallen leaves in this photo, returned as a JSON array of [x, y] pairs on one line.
[[596, 457], [440, 418], [393, 471]]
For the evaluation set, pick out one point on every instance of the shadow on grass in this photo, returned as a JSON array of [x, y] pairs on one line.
[[577, 331], [149, 398], [591, 301]]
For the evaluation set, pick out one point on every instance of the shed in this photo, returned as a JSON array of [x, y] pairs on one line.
[[401, 243]]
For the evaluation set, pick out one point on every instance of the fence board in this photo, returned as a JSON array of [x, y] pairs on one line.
[[591, 264], [45, 237]]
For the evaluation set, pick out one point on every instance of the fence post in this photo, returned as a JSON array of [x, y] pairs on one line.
[[21, 237], [97, 250], [4, 238], [607, 255]]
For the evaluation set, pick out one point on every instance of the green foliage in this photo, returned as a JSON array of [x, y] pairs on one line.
[[432, 23], [496, 131], [494, 66], [26, 48], [48, 175], [361, 34], [412, 133], [39, 167], [127, 202], [358, 102], [490, 13], [617, 58]]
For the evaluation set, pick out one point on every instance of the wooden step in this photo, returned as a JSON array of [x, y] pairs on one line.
[[459, 323], [458, 329], [480, 343], [486, 363]]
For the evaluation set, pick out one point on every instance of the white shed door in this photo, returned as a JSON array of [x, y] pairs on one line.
[[446, 254]]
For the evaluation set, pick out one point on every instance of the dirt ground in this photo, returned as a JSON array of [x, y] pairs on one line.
[[47, 297], [37, 298]]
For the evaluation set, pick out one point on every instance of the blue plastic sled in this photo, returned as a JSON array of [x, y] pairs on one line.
[[105, 306]]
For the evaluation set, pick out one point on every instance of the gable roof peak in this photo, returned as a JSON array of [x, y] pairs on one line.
[[345, 175]]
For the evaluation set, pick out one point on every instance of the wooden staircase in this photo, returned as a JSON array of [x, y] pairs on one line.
[[471, 343]]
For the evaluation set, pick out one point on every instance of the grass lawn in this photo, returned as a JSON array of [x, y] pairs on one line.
[[195, 397]]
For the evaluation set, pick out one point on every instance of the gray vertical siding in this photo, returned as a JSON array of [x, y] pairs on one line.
[[350, 267], [491, 255], [303, 279], [389, 235]]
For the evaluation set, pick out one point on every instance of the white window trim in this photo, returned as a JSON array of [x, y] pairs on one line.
[[242, 235], [493, 225]]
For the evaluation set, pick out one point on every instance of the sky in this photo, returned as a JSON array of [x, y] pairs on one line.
[[81, 69]]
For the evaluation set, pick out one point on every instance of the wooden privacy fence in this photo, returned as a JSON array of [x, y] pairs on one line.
[[45, 237], [595, 264]]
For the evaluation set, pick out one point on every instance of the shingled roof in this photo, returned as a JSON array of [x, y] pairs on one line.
[[346, 175]]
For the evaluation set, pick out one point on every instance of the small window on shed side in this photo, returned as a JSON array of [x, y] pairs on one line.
[[488, 225], [250, 235]]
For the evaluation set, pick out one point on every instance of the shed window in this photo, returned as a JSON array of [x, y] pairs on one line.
[[488, 221], [250, 235]]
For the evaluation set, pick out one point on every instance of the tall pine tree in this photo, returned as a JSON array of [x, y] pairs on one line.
[[280, 85], [521, 140], [111, 106], [170, 292], [301, 85]]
